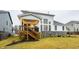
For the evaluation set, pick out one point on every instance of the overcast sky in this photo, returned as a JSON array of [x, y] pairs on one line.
[[62, 16], [14, 14], [65, 16]]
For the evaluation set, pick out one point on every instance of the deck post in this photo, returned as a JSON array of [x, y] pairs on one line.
[[27, 32], [41, 28]]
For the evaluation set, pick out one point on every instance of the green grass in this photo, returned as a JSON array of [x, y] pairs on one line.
[[48, 43], [7, 41]]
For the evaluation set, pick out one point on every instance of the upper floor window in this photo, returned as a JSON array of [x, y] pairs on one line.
[[45, 21]]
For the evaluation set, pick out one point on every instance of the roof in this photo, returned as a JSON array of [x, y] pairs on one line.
[[72, 22], [2, 11], [22, 15], [24, 11], [10, 17], [58, 23]]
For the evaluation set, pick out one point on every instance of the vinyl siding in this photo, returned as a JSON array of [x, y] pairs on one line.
[[4, 19], [41, 21]]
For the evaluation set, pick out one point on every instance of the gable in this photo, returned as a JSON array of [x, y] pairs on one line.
[[30, 16], [24, 11], [58, 23], [72, 22]]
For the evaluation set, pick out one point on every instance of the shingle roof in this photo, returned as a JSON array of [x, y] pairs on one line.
[[72, 22], [2, 11], [58, 23], [24, 11], [22, 15], [10, 17]]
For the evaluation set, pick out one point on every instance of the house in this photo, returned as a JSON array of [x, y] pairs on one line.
[[5, 23], [72, 26], [46, 25]]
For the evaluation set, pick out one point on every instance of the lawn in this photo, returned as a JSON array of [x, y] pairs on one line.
[[44, 43]]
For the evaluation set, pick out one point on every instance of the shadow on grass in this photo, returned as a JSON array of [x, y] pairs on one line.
[[13, 43]]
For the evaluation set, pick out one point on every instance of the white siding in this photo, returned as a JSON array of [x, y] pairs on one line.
[[73, 28], [50, 19], [4, 18], [59, 28], [42, 17]]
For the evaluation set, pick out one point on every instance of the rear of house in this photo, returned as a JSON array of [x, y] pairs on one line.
[[5, 24], [47, 26]]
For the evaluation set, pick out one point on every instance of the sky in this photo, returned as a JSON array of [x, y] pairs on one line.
[[14, 15], [65, 16], [62, 16]]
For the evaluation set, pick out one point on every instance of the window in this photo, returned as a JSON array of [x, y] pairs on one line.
[[71, 24], [45, 21], [49, 27], [55, 27], [4, 29], [77, 29], [63, 28], [49, 22], [6, 22], [67, 28], [45, 27], [12, 29]]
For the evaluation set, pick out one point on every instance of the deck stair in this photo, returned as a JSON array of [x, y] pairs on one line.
[[28, 29], [30, 34]]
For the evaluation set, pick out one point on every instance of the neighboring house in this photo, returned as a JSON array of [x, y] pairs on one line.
[[72, 26], [5, 22], [46, 24]]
